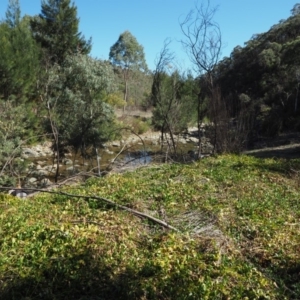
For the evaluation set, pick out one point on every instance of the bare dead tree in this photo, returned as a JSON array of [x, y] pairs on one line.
[[203, 44]]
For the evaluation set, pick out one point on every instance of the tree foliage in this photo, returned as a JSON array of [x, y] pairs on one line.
[[265, 70], [296, 9], [13, 13], [173, 96], [56, 29], [17, 126], [18, 68], [87, 84], [129, 55], [77, 101]]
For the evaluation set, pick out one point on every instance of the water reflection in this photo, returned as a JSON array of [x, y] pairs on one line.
[[137, 158]]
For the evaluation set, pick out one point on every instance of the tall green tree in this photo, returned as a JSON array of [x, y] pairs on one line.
[[128, 55], [56, 29], [87, 83], [13, 13], [18, 68]]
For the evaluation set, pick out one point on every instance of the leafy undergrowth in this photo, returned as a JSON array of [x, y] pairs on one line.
[[238, 219]]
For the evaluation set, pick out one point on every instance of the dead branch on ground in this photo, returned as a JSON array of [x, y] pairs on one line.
[[108, 201]]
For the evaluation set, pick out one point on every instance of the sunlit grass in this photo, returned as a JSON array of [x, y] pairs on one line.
[[238, 219]]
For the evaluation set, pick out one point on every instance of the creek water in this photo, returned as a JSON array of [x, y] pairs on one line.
[[111, 158]]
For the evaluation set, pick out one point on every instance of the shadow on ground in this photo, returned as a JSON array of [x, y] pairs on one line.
[[284, 146], [79, 277], [288, 151]]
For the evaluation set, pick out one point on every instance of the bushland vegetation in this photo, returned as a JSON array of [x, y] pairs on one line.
[[252, 93], [234, 219]]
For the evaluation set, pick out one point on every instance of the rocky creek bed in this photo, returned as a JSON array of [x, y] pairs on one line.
[[117, 156]]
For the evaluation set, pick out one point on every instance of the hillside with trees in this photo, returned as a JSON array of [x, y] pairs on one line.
[[263, 78]]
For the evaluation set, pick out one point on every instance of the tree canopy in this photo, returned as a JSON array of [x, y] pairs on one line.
[[264, 75], [13, 13], [18, 68], [127, 53], [56, 29], [77, 101]]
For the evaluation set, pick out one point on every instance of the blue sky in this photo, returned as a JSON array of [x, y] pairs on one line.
[[153, 21]]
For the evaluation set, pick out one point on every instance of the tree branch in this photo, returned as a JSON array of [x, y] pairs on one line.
[[108, 201]]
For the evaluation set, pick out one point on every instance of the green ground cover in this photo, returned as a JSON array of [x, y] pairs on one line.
[[238, 221]]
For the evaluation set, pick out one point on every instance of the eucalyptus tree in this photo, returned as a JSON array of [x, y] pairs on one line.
[[86, 119], [56, 30], [75, 95], [296, 9], [128, 55]]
